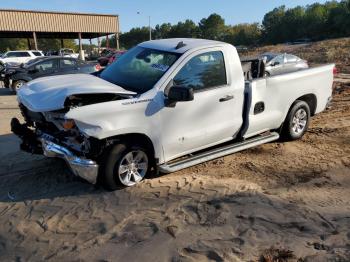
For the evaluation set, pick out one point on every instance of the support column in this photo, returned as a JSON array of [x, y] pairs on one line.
[[117, 40], [81, 53], [35, 41], [62, 43]]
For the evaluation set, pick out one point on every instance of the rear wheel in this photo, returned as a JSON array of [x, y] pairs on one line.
[[124, 166], [17, 85], [297, 121]]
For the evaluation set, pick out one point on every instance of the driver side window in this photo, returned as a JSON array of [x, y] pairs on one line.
[[203, 71], [46, 65]]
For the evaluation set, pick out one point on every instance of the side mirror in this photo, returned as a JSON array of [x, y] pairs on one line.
[[275, 63], [179, 94]]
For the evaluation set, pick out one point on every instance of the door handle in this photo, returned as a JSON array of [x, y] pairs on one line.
[[226, 98]]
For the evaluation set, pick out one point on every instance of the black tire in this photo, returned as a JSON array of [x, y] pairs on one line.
[[292, 129], [16, 85], [111, 162], [6, 83], [267, 74]]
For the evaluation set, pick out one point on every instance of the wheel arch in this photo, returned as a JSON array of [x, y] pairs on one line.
[[137, 138], [311, 100]]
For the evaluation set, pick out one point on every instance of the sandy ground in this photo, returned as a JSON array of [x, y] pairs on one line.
[[292, 198]]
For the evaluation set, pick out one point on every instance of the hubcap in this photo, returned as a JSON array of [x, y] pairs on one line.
[[133, 167], [19, 85], [299, 121]]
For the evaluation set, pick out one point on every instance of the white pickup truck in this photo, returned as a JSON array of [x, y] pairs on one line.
[[163, 106]]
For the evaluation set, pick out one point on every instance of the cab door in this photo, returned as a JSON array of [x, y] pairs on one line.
[[215, 114]]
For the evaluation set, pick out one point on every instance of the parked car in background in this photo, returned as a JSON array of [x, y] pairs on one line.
[[20, 56], [8, 69], [68, 52], [104, 60], [52, 53], [16, 77], [115, 56], [277, 63]]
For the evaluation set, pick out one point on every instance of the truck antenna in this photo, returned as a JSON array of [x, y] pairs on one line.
[[180, 45]]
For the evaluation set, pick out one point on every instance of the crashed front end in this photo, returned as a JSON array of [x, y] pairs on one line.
[[45, 103], [45, 133]]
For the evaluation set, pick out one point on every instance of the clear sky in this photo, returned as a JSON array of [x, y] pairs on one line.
[[161, 11]]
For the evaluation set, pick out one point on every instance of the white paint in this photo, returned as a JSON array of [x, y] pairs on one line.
[[49, 93], [19, 60], [189, 126]]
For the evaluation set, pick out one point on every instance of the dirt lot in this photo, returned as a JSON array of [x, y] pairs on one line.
[[291, 198]]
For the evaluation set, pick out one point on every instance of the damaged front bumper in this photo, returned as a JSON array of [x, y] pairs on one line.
[[82, 167]]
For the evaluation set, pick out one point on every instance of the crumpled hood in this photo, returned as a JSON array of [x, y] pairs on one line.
[[49, 93]]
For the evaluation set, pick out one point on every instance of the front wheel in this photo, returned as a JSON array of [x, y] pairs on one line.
[[297, 121], [124, 166]]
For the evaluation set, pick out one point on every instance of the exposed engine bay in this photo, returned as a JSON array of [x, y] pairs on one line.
[[53, 126], [89, 99]]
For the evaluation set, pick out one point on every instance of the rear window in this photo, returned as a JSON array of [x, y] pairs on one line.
[[291, 58], [37, 53]]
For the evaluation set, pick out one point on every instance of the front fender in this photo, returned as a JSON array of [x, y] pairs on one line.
[[120, 117], [21, 77]]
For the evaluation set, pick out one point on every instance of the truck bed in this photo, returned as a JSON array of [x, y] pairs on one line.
[[277, 93]]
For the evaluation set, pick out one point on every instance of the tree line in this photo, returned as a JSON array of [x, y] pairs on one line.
[[315, 22], [7, 44]]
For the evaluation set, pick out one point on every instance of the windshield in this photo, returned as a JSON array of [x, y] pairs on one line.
[[139, 69]]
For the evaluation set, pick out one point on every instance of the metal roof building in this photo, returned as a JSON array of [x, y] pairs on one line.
[[43, 24]]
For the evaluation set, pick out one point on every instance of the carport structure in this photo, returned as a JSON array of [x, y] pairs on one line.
[[58, 25]]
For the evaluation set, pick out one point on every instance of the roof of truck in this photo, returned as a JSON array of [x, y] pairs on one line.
[[170, 45]]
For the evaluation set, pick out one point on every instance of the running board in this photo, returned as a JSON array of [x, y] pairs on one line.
[[217, 152]]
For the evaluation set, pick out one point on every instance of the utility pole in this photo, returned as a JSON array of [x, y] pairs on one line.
[[149, 26]]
